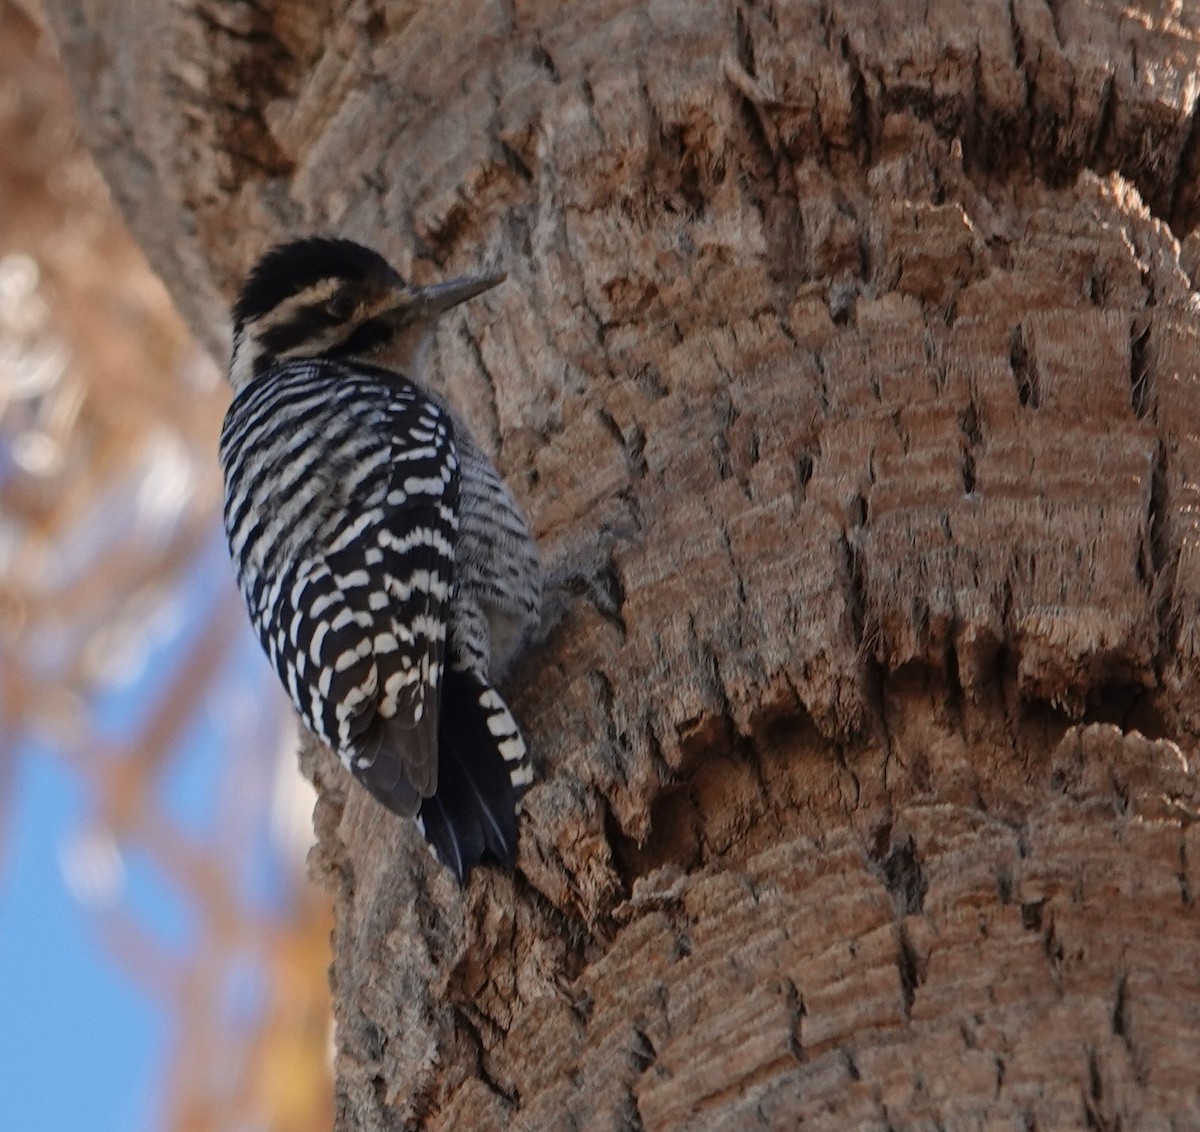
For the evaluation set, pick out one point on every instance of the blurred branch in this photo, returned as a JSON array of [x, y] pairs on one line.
[[109, 495]]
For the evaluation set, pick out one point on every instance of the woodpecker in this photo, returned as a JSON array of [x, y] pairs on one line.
[[388, 570]]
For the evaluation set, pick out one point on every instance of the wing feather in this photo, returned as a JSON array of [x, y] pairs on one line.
[[352, 605]]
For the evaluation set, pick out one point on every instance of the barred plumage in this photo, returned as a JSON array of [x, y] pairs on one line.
[[387, 569]]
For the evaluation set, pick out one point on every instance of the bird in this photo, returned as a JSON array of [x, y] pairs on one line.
[[388, 570]]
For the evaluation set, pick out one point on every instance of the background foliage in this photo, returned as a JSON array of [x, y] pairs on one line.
[[124, 653]]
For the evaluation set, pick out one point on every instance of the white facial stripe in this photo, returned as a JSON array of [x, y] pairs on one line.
[[286, 311], [246, 352], [317, 344]]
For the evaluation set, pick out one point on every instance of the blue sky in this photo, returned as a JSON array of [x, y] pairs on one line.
[[83, 1044], [80, 1044]]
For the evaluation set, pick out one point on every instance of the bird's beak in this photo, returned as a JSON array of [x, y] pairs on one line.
[[434, 300]]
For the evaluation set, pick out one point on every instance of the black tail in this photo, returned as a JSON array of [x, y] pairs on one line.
[[482, 771]]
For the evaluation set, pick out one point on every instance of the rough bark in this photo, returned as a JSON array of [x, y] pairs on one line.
[[849, 357]]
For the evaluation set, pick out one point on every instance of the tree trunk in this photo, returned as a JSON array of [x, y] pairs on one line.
[[848, 364]]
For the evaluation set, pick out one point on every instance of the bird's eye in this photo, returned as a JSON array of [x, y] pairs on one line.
[[340, 308]]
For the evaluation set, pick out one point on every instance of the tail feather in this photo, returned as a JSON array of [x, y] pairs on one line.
[[482, 772]]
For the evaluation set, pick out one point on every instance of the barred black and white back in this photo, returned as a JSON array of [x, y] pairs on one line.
[[389, 574]]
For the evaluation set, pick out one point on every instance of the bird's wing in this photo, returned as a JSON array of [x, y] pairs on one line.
[[407, 555], [355, 620]]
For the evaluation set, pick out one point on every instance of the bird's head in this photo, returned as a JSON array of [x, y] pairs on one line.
[[326, 298]]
